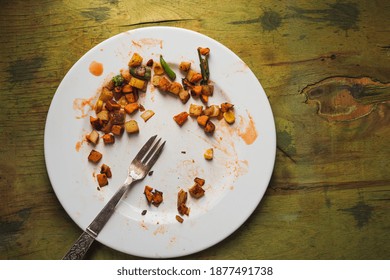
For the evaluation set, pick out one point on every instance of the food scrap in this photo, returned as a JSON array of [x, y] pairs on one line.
[[105, 169], [181, 118], [95, 156], [209, 154], [179, 219], [181, 203], [154, 197], [197, 190], [102, 180], [102, 177]]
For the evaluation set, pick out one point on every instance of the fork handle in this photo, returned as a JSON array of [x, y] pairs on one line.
[[82, 244], [80, 247]]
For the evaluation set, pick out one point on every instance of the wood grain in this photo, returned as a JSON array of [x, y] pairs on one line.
[[325, 69]]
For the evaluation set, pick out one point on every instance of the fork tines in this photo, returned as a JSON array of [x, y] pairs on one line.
[[149, 154]]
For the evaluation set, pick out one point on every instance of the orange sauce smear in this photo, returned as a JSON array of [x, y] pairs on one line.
[[96, 68]]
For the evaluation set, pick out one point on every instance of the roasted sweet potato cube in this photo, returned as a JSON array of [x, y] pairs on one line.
[[184, 96], [131, 126], [127, 89], [148, 194], [103, 115], [105, 169], [137, 83], [118, 117], [98, 106], [175, 88], [193, 76], [157, 198], [146, 115], [209, 154], [204, 51], [95, 156], [196, 191], [164, 83], [185, 66], [117, 129], [108, 138], [102, 179], [158, 69], [202, 120], [125, 73], [196, 91], [107, 125], [181, 118], [229, 117], [204, 98], [212, 111], [226, 106], [106, 94], [183, 209], [131, 108], [195, 110], [207, 90], [132, 96], [200, 181], [112, 105], [93, 137], [181, 197], [210, 127], [96, 123], [136, 60]]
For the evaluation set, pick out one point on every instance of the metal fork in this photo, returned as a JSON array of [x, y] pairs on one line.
[[139, 167]]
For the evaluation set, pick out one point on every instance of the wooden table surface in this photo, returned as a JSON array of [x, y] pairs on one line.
[[325, 67]]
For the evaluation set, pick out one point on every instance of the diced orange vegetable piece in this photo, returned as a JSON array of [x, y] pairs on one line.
[[181, 118], [108, 138], [157, 198], [164, 84], [105, 169], [95, 156], [102, 179], [131, 108], [117, 129], [210, 127], [202, 120], [196, 191], [204, 51], [132, 97], [199, 181]]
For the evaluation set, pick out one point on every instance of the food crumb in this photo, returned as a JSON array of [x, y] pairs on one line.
[[179, 219], [143, 213]]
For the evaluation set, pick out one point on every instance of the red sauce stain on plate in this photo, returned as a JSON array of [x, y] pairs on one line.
[[96, 68], [79, 104], [249, 134], [78, 145]]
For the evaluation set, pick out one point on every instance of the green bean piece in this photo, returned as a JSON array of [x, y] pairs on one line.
[[167, 69], [204, 68]]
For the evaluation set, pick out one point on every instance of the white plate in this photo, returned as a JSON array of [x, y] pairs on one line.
[[236, 179]]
